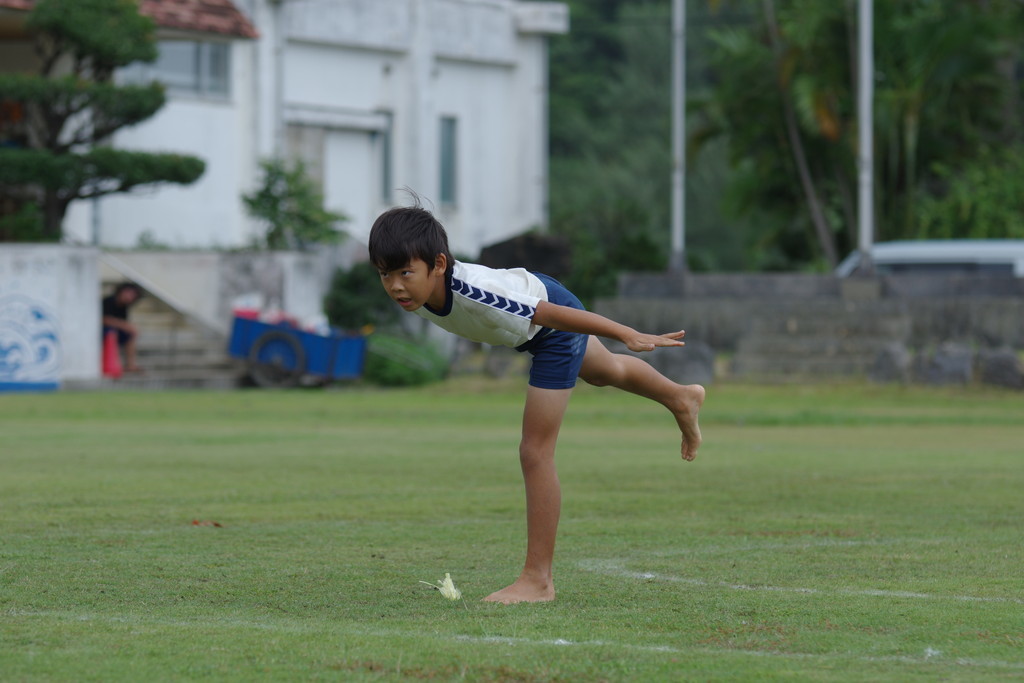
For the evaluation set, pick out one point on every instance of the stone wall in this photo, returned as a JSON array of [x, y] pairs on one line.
[[724, 322], [814, 286], [797, 326], [722, 309]]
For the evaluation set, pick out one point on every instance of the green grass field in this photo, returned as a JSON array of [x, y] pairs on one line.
[[824, 533]]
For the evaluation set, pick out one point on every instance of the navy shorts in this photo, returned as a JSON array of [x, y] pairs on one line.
[[122, 336], [557, 355]]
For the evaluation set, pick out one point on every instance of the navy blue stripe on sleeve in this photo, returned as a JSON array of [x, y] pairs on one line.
[[493, 300]]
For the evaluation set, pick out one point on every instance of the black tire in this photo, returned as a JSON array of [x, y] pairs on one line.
[[276, 360]]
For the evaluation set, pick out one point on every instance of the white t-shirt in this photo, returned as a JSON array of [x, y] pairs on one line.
[[493, 306]]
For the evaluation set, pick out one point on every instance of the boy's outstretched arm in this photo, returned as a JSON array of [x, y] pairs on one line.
[[586, 322]]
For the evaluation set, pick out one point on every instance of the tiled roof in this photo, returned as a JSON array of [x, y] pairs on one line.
[[206, 16], [203, 16]]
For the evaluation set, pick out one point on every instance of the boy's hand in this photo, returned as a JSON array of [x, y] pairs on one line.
[[585, 322], [649, 342]]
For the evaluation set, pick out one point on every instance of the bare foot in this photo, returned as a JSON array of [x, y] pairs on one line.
[[523, 590], [691, 398]]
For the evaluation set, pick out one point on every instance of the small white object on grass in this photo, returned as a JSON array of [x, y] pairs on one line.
[[446, 587]]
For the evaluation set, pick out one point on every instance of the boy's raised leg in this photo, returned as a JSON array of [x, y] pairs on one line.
[[542, 419], [601, 368]]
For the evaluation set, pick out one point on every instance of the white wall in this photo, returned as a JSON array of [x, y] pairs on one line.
[[352, 178], [49, 316], [333, 76], [207, 213], [481, 98], [420, 60]]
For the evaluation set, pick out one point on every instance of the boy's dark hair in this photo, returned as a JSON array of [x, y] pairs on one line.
[[125, 286], [405, 233]]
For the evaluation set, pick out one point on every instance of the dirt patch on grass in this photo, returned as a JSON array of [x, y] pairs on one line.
[[500, 674]]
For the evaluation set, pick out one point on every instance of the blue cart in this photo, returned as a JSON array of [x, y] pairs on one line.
[[281, 355]]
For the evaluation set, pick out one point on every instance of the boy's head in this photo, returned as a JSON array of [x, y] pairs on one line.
[[405, 233], [127, 293]]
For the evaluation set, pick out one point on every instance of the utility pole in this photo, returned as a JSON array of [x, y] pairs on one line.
[[677, 258], [865, 126]]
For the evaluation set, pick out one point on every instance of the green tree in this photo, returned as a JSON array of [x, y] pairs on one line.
[[611, 159], [54, 152], [613, 168], [981, 199], [785, 99], [292, 207], [580, 65]]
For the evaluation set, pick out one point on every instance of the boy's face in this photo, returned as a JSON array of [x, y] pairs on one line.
[[416, 283], [126, 297]]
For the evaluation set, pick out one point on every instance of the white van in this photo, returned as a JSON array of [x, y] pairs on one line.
[[981, 257]]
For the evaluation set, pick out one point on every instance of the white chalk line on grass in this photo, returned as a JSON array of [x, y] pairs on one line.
[[618, 568], [929, 656], [798, 543]]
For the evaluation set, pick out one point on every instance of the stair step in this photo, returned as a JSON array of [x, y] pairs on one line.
[[156, 382], [147, 341], [170, 365], [175, 352]]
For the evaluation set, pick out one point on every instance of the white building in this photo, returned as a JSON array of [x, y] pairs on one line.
[[446, 97]]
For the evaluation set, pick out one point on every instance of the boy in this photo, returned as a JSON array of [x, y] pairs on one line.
[[115, 319], [529, 312]]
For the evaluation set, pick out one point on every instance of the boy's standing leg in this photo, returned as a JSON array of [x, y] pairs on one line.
[[542, 419], [601, 368]]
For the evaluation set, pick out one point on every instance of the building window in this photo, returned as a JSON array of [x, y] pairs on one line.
[[449, 168], [187, 66]]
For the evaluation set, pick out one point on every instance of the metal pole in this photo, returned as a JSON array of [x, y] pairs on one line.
[[677, 258], [279, 39], [865, 125]]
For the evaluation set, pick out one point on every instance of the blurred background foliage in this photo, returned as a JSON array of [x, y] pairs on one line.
[[771, 88]]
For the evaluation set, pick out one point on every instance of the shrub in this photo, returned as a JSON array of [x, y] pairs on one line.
[[24, 225], [396, 362], [980, 199], [291, 207], [356, 299]]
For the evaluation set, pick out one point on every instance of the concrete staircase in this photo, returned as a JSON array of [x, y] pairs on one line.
[[176, 352], [816, 344]]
